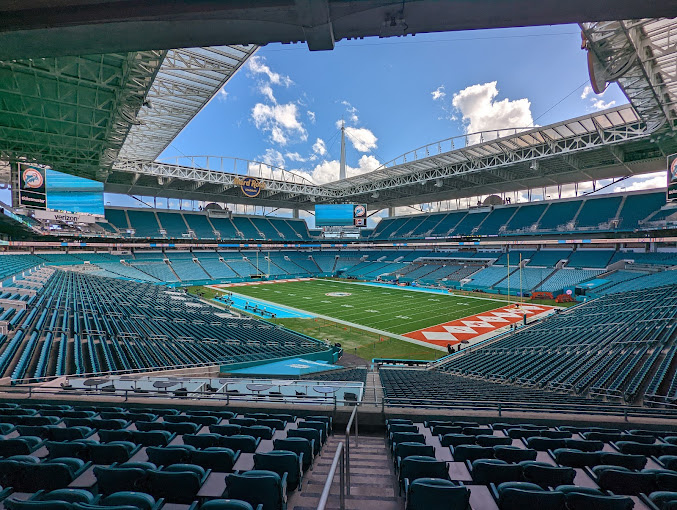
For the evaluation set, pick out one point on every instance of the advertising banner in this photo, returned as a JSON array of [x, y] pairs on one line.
[[32, 187]]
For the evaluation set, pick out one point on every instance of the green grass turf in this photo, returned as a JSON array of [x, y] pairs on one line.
[[356, 341], [394, 310]]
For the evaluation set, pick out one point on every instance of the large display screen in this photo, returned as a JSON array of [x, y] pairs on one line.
[[341, 215], [672, 178], [73, 194]]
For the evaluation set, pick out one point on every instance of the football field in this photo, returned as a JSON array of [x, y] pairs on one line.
[[394, 310]]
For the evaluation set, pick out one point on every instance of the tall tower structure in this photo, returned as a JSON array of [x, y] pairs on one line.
[[342, 167]]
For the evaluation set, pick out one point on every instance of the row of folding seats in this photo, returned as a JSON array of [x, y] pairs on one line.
[[508, 457], [147, 327], [174, 473]]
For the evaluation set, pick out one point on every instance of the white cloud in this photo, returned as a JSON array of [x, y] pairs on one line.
[[257, 66], [481, 112], [319, 147], [273, 157], [222, 94], [328, 171], [599, 104], [267, 91], [351, 111], [295, 156], [648, 181], [438, 93], [596, 101], [362, 138], [280, 120], [311, 116]]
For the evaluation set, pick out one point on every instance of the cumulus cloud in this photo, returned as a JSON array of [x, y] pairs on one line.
[[481, 112], [295, 156], [648, 181], [362, 139], [267, 91], [222, 94], [319, 147], [272, 157], [257, 66], [599, 104], [586, 92], [322, 173], [311, 116], [328, 171], [280, 120], [438, 93]]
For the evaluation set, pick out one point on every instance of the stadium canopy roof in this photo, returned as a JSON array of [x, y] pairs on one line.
[[39, 28], [185, 83], [78, 114], [641, 55], [72, 113], [611, 143]]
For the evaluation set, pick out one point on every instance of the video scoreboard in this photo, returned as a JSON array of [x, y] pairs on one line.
[[341, 215]]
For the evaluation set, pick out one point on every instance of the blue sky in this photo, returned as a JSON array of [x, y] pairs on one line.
[[394, 95]]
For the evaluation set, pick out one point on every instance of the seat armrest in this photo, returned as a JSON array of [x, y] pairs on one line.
[[494, 491], [284, 488]]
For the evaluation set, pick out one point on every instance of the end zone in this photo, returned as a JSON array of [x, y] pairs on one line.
[[475, 328]]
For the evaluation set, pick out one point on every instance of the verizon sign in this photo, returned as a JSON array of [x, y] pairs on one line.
[[64, 217]]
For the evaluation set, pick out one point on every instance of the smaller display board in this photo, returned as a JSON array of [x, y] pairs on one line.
[[341, 215], [672, 178]]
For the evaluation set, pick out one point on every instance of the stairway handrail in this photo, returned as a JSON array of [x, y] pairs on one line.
[[339, 460]]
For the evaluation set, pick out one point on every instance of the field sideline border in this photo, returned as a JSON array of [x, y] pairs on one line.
[[479, 338], [339, 321]]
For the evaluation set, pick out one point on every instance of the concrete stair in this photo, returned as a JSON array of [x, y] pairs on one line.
[[373, 483]]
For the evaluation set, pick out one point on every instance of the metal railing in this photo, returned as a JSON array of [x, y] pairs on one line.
[[340, 461], [353, 416], [662, 409]]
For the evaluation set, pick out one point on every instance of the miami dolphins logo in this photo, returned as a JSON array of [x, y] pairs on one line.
[[32, 178]]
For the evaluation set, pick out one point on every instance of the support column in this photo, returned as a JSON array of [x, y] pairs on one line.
[[14, 180]]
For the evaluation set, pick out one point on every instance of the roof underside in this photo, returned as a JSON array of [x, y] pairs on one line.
[[641, 55], [78, 114], [72, 113], [185, 83], [38, 28]]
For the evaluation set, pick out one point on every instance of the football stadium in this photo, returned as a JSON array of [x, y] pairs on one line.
[[485, 322]]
